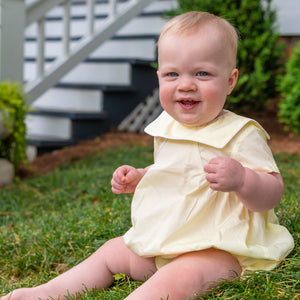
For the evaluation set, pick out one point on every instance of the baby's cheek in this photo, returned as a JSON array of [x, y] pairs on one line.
[[166, 95]]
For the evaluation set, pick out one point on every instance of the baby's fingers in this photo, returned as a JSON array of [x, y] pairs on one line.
[[211, 177], [120, 174], [116, 187], [210, 168]]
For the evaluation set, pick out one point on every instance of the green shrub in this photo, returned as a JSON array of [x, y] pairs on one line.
[[13, 109], [289, 87], [259, 54]]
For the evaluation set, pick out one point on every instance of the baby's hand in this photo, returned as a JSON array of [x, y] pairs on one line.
[[125, 179], [224, 174]]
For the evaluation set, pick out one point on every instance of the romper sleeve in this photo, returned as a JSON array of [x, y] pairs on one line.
[[252, 151]]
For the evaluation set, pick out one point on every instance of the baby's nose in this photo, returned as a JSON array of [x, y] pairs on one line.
[[186, 84]]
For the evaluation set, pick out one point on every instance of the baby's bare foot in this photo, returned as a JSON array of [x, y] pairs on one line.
[[17, 294], [25, 294]]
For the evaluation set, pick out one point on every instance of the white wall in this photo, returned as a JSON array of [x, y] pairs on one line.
[[288, 16]]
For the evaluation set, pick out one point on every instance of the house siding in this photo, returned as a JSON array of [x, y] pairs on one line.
[[288, 17]]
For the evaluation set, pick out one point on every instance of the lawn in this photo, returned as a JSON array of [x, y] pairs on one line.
[[50, 223]]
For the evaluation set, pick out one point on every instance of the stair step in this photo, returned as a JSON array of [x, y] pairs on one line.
[[101, 87], [101, 73], [75, 98], [70, 114], [66, 125], [71, 99], [90, 73], [43, 144], [143, 48], [46, 142]]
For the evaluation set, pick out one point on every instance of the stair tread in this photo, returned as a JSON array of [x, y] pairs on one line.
[[132, 61], [79, 37], [102, 87], [70, 114], [49, 139], [49, 143]]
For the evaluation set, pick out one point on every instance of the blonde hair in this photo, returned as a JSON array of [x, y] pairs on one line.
[[192, 21]]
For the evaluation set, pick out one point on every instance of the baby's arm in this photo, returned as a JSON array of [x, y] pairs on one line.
[[258, 191], [126, 178]]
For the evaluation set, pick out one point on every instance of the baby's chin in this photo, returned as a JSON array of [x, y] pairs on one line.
[[196, 123], [194, 120], [205, 121]]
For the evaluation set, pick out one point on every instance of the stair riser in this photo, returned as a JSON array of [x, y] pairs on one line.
[[51, 127], [72, 100], [90, 73], [125, 49]]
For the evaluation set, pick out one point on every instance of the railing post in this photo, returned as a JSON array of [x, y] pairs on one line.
[[113, 9], [90, 16], [12, 24], [66, 25], [41, 47]]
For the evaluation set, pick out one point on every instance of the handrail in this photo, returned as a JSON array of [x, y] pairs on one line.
[[38, 9]]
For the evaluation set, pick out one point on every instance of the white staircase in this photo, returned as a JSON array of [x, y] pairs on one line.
[[102, 90]]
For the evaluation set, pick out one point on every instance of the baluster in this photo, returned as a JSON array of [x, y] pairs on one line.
[[41, 47], [90, 16], [113, 9], [66, 28]]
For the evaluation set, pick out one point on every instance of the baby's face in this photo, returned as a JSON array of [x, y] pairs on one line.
[[195, 76]]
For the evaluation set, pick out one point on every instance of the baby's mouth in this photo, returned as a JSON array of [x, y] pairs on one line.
[[188, 104]]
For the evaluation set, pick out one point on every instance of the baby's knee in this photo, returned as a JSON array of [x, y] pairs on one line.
[[120, 259], [202, 270], [217, 260]]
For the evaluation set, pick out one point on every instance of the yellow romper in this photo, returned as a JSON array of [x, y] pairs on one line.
[[174, 211]]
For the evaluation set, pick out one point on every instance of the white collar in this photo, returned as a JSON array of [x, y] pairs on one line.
[[218, 133]]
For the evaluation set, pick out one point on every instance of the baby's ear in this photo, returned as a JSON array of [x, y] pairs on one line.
[[232, 80], [157, 73]]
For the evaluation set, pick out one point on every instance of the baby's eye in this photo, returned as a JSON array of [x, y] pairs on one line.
[[202, 73], [172, 74]]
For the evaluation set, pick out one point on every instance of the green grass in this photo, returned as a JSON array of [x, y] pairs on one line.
[[50, 223]]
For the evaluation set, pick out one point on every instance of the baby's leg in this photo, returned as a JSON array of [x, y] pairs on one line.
[[95, 272], [187, 275]]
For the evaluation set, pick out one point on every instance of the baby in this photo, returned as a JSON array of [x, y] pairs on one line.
[[204, 209]]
